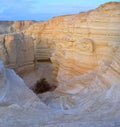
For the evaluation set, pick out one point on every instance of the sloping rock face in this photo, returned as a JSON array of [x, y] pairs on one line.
[[20, 107], [18, 104], [85, 52], [85, 56], [13, 89]]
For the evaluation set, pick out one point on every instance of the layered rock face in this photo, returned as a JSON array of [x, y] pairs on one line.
[[83, 46], [14, 26], [85, 52], [86, 60], [43, 40], [89, 53]]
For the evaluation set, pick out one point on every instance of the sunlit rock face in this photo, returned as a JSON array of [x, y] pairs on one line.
[[43, 39], [88, 55], [85, 52], [14, 26], [22, 25], [86, 60], [17, 51], [80, 44]]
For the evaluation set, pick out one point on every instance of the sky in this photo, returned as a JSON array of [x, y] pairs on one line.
[[44, 9]]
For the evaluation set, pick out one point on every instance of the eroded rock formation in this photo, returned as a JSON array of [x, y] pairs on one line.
[[85, 52], [22, 25], [17, 51], [80, 44]]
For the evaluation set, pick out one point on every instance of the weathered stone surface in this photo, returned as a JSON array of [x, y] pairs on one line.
[[43, 43], [88, 54], [81, 44], [17, 51], [85, 55], [13, 89], [19, 107], [6, 27], [14, 26], [85, 50], [22, 25]]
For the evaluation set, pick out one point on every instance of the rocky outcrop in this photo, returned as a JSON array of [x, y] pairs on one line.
[[17, 51], [81, 46], [22, 25], [43, 43], [6, 27], [85, 52], [14, 26]]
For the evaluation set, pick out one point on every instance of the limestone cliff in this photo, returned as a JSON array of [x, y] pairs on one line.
[[85, 52], [22, 24], [14, 26], [80, 44]]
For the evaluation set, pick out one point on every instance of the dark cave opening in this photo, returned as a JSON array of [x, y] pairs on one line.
[[42, 86]]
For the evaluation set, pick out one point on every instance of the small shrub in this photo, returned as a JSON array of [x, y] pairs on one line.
[[41, 86]]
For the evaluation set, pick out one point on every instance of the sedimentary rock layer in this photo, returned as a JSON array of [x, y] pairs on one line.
[[79, 44], [85, 50]]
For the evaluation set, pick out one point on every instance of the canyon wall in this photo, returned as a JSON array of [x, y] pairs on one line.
[[43, 40], [77, 45], [82, 47], [85, 52]]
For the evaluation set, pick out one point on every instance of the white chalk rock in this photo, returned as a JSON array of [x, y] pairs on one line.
[[13, 89]]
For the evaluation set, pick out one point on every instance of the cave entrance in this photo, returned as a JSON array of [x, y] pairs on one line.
[[43, 70]]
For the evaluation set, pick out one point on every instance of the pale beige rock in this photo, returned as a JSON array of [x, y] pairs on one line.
[[85, 50], [85, 55], [79, 44], [22, 25], [17, 51]]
